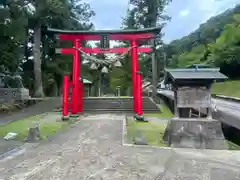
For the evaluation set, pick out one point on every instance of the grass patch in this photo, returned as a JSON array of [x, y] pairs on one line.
[[152, 131], [233, 146], [21, 127], [49, 129], [227, 88], [164, 112]]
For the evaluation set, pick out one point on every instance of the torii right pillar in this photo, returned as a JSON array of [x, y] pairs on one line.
[[136, 83]]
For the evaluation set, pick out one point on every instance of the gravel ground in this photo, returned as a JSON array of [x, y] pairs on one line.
[[92, 149]]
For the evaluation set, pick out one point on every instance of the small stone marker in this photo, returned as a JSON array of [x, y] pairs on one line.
[[140, 139], [33, 133]]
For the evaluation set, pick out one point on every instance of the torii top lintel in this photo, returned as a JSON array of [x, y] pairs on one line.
[[127, 34]]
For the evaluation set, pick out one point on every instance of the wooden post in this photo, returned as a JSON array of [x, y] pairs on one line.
[[80, 101], [176, 112], [209, 109]]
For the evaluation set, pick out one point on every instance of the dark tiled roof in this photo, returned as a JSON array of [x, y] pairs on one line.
[[121, 31], [194, 74]]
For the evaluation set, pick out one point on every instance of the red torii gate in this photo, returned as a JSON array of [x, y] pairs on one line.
[[77, 36]]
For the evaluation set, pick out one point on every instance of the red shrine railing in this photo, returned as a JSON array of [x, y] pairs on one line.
[[77, 36]]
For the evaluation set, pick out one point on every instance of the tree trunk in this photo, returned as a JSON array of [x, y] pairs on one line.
[[54, 92], [38, 86]]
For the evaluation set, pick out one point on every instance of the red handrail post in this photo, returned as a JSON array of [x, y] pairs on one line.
[[65, 98], [139, 76]]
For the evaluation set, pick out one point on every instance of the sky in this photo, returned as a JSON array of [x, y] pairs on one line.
[[186, 15]]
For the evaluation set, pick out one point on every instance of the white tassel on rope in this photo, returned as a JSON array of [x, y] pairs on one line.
[[104, 70], [106, 62], [117, 64], [93, 66]]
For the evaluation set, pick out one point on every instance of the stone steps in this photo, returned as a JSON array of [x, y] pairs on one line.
[[116, 104]]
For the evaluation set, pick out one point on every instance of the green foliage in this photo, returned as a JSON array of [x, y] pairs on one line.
[[11, 18], [20, 22], [222, 88], [143, 14], [139, 17], [227, 46], [152, 131], [216, 42], [121, 76]]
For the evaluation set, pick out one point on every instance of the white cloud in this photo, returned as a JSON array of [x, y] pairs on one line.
[[184, 12], [211, 8]]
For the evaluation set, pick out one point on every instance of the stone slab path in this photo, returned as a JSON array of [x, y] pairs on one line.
[[92, 149]]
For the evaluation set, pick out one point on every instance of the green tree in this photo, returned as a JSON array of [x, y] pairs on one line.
[[215, 43], [11, 41], [57, 14], [145, 14]]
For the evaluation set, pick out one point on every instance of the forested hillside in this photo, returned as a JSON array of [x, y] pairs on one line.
[[216, 42]]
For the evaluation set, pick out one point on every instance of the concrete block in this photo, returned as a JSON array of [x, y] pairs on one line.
[[195, 133]]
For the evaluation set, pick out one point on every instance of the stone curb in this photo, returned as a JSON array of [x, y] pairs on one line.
[[124, 132], [124, 129], [14, 152], [229, 98]]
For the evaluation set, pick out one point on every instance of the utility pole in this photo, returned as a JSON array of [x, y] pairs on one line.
[[165, 60], [154, 72]]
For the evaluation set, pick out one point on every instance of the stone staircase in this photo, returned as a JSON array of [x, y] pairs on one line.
[[115, 104]]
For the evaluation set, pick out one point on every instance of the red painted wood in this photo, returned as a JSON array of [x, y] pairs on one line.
[[139, 81], [134, 55], [65, 104], [76, 89], [67, 51], [75, 78], [99, 51]]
